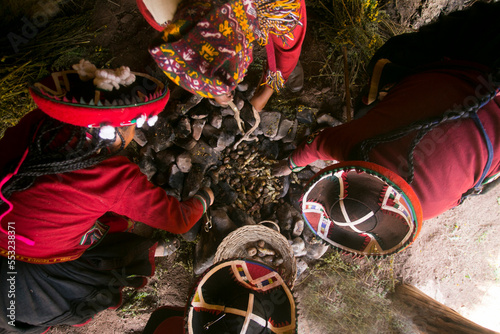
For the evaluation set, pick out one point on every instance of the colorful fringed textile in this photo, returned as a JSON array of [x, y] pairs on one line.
[[208, 46], [277, 17], [275, 80]]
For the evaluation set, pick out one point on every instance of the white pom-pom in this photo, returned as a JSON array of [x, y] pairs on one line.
[[129, 80], [107, 132], [86, 70], [152, 120], [107, 79], [126, 78], [103, 84], [139, 122]]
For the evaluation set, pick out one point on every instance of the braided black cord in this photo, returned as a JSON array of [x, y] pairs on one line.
[[423, 127], [48, 161]]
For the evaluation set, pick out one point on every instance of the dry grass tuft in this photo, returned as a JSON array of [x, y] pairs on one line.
[[358, 25], [347, 295], [58, 45]]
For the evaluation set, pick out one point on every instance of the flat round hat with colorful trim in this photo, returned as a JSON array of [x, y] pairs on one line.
[[241, 296], [105, 98], [362, 208]]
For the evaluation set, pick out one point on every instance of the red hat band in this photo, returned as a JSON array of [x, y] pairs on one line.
[[73, 98]]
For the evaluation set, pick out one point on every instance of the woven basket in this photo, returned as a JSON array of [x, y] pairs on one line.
[[235, 245]]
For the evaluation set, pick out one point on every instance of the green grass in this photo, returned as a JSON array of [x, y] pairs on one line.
[[349, 295], [360, 26]]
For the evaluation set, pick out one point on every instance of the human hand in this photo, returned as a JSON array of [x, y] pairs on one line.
[[281, 168], [224, 99], [210, 194], [261, 96]]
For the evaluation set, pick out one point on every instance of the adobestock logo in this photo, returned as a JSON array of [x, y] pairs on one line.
[[31, 26]]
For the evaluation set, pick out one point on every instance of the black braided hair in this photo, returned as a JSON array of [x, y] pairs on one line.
[[59, 148], [421, 128]]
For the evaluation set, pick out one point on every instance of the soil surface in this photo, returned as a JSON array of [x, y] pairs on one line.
[[456, 259]]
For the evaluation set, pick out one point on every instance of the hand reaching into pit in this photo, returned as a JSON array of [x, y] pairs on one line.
[[281, 168]]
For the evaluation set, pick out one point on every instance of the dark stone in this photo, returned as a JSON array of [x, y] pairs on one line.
[[305, 174], [303, 132], [127, 18], [162, 136], [269, 123], [193, 181], [240, 217], [284, 216], [165, 158], [215, 119], [268, 211], [227, 112], [269, 149], [246, 114], [286, 185], [173, 192], [204, 154], [214, 176], [333, 106], [224, 194], [225, 140], [160, 179], [306, 115], [183, 128], [239, 100], [296, 214], [185, 143], [193, 232], [147, 166], [197, 127], [230, 126], [284, 128], [183, 162], [209, 132], [286, 149], [140, 137], [192, 102], [295, 194], [205, 249], [292, 133], [147, 151], [175, 177], [328, 120]]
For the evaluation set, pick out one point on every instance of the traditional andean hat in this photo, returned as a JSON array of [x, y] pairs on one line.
[[233, 296], [362, 208], [88, 97]]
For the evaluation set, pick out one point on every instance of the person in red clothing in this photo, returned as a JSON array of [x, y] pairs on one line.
[[431, 130], [69, 201], [207, 46]]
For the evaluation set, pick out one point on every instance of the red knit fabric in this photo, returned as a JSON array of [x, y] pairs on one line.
[[85, 115], [59, 209], [448, 161]]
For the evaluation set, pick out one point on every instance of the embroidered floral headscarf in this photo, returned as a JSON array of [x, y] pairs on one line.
[[207, 47]]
